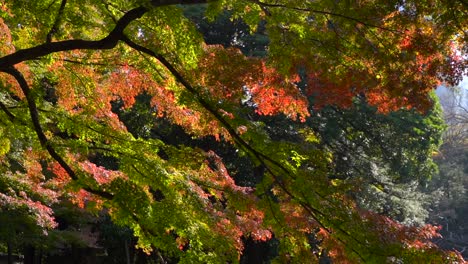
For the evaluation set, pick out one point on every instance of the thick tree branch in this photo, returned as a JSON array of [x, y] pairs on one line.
[[108, 42], [40, 133]]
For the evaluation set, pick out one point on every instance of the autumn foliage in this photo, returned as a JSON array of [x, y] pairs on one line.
[[62, 78]]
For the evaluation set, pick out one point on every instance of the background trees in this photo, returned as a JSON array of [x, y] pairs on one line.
[[121, 106], [451, 179]]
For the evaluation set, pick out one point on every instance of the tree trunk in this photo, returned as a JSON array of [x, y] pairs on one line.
[[127, 253], [9, 253], [39, 257], [29, 253]]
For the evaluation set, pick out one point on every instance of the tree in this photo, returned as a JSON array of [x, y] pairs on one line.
[[390, 155], [65, 62], [450, 182], [25, 199]]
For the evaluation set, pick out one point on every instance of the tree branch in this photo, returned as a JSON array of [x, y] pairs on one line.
[[313, 212], [264, 5], [157, 3], [259, 156], [55, 26], [11, 116], [108, 42], [40, 133]]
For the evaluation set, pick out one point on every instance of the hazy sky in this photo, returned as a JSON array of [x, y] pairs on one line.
[[444, 92]]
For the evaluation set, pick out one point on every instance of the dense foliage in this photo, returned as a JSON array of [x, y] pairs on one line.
[[314, 144]]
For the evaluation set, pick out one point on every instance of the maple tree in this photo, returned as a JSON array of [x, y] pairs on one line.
[[64, 64]]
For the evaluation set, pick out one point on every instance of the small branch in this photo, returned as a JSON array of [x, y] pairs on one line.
[[11, 116], [157, 3], [463, 3], [263, 5], [93, 63], [56, 24]]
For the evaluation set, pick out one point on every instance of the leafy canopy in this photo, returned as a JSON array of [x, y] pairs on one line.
[[64, 63]]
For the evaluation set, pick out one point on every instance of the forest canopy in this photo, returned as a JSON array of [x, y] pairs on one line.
[[311, 126]]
